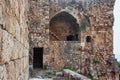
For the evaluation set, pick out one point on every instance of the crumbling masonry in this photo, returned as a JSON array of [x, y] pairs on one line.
[[57, 33]]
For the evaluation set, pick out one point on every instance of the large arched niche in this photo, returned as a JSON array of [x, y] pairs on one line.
[[64, 27]]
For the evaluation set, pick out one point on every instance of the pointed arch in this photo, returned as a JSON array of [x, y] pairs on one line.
[[64, 27]]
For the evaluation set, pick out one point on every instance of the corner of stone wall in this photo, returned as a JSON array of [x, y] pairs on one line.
[[14, 45]]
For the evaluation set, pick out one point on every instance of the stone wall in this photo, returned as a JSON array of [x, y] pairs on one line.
[[39, 27], [94, 58], [69, 54], [14, 46], [99, 21]]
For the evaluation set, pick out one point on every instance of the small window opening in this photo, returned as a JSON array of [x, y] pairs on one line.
[[70, 38], [53, 59], [88, 39]]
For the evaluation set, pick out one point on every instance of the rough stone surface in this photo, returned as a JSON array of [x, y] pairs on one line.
[[14, 45], [39, 26], [59, 74], [91, 54], [3, 71], [71, 75], [25, 23]]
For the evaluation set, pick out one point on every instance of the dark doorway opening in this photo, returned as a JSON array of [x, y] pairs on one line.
[[38, 58]]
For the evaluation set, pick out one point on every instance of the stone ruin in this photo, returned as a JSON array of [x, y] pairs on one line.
[[14, 41], [56, 33]]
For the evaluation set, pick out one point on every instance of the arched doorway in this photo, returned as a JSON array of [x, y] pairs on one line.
[[64, 27]]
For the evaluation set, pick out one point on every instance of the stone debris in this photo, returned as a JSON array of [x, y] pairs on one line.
[[59, 74], [70, 75]]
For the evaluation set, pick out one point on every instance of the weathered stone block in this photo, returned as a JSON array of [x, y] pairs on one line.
[[2, 20], [26, 62], [25, 52], [59, 74], [22, 65], [15, 50], [21, 48], [10, 70], [17, 30], [20, 77], [7, 46], [13, 39], [18, 66], [71, 75], [0, 44], [1, 11], [25, 73], [3, 72]]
